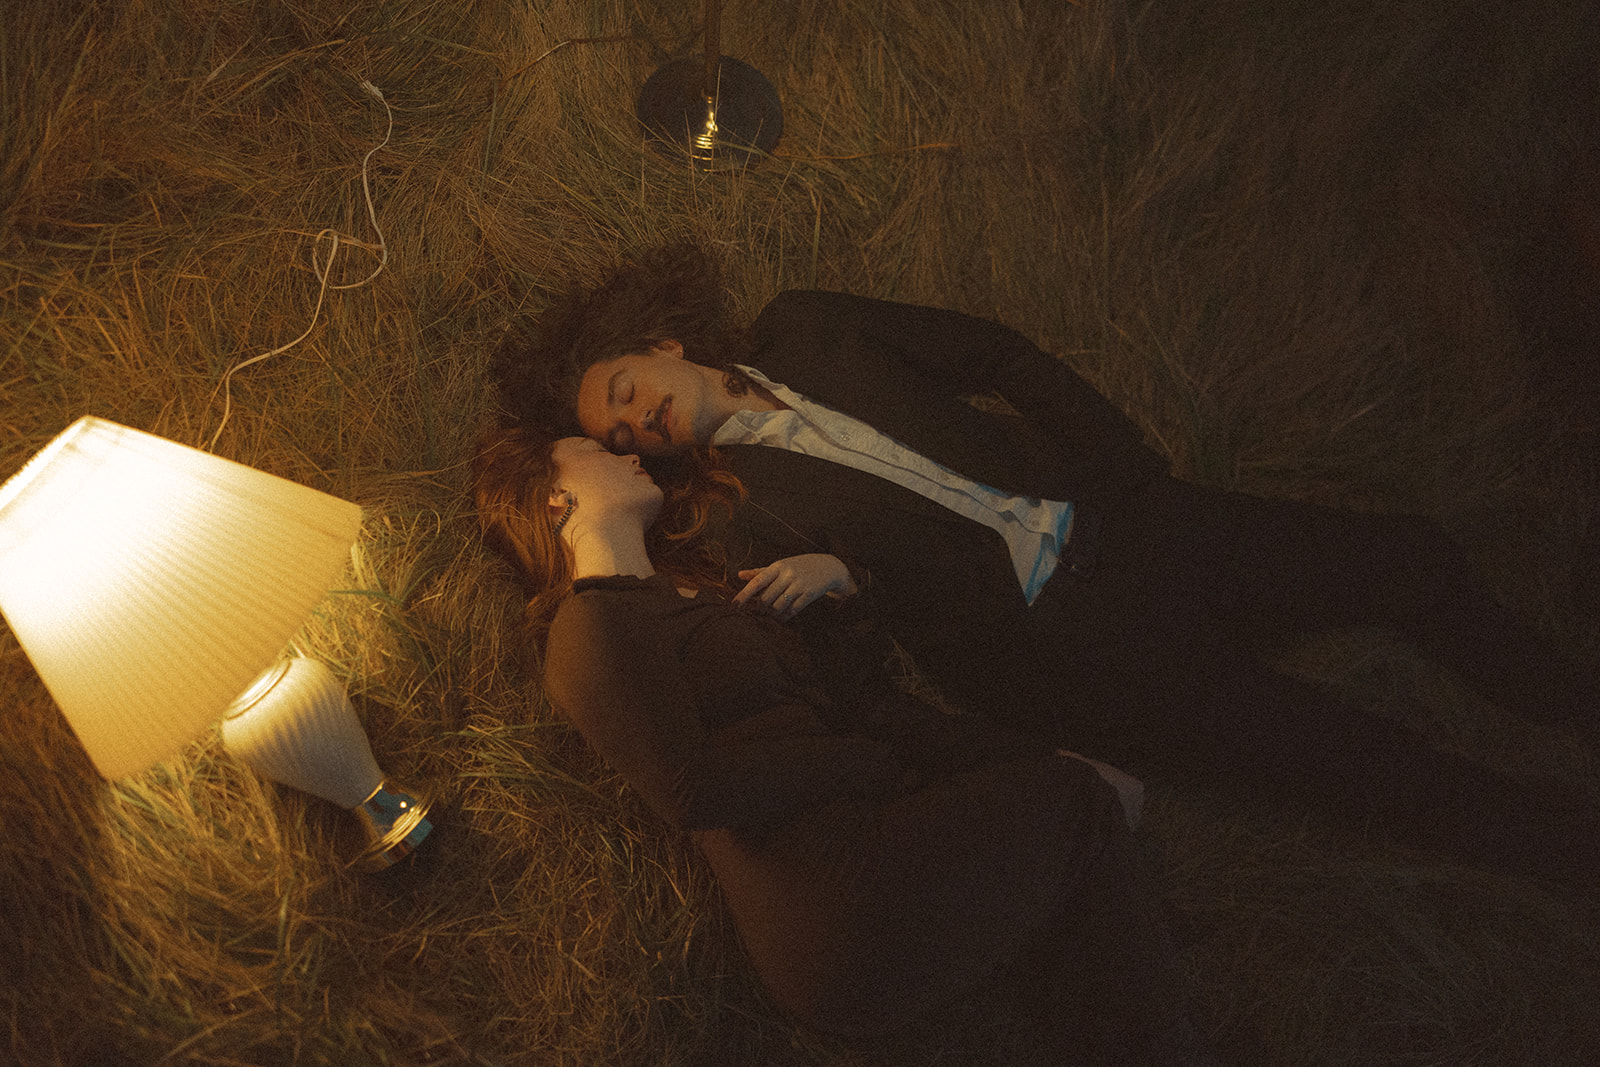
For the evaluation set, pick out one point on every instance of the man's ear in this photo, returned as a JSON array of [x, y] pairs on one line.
[[560, 498], [668, 347]]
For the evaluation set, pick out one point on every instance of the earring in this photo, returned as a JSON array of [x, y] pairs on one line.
[[572, 504]]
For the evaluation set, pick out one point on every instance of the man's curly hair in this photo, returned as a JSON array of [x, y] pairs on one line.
[[672, 292]]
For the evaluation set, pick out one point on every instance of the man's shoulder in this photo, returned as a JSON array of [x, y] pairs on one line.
[[805, 325], [796, 328], [821, 313], [793, 306], [800, 298]]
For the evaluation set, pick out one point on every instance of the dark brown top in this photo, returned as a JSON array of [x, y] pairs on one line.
[[879, 856]]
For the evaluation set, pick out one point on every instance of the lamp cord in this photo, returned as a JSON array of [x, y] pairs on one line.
[[324, 270]]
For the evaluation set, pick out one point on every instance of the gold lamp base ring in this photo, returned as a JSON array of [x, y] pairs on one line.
[[395, 823]]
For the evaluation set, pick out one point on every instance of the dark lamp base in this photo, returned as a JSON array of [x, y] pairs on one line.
[[719, 131]]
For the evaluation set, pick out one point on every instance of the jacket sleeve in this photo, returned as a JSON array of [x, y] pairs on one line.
[[627, 695]]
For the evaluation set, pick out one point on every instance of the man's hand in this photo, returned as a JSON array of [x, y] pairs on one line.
[[790, 585]]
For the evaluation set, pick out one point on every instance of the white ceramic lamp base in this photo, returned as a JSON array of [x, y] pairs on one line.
[[295, 726]]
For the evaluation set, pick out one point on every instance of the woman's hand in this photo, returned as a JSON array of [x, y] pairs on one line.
[[790, 585]]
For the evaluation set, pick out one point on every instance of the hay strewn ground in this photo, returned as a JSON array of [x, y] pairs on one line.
[[1326, 251]]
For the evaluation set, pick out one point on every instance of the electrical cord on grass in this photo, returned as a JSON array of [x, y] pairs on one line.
[[324, 270]]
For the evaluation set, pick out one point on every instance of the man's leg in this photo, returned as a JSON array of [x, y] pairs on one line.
[[1246, 729], [1104, 979], [1301, 568]]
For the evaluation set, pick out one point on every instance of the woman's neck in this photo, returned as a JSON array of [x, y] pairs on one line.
[[604, 545]]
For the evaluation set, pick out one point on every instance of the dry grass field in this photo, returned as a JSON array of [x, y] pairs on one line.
[[1344, 251]]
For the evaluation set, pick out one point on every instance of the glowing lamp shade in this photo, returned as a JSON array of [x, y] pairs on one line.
[[150, 583]]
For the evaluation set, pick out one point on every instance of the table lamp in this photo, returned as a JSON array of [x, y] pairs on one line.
[[155, 586]]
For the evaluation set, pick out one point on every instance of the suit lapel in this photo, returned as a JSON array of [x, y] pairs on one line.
[[825, 487], [878, 389]]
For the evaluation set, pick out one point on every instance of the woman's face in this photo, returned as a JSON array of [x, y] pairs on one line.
[[602, 480]]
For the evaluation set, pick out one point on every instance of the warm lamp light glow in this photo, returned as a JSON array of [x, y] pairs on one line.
[[150, 582]]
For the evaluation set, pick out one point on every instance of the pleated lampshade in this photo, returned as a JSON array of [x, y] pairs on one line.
[[150, 582]]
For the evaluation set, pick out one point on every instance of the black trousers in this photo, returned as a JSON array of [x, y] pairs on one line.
[[1160, 660], [1109, 988]]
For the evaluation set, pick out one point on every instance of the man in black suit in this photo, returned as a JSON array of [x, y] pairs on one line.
[[1042, 565]]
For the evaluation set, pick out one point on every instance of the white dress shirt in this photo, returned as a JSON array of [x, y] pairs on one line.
[[1034, 530]]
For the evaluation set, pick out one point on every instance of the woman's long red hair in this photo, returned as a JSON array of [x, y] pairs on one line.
[[513, 475]]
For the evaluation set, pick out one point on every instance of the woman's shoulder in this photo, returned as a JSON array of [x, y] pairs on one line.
[[604, 624], [621, 583], [616, 601], [599, 598], [625, 625]]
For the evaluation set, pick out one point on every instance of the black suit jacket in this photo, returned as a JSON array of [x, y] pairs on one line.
[[943, 584], [906, 371]]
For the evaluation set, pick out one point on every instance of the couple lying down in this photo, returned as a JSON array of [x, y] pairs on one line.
[[1046, 571], [880, 857]]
